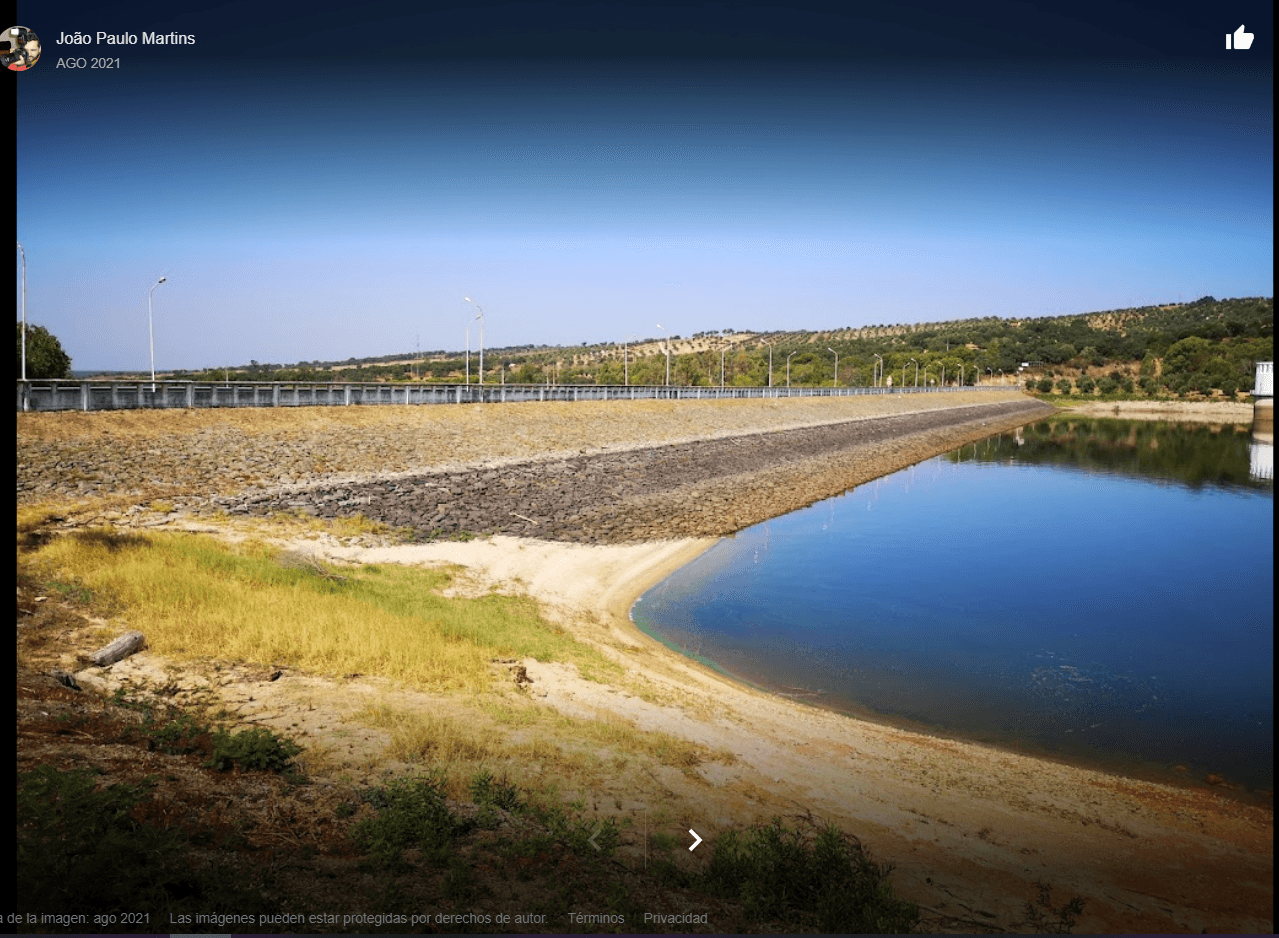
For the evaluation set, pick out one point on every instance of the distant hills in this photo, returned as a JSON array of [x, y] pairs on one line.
[[1202, 347]]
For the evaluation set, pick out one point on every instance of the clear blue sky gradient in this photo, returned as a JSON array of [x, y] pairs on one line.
[[320, 185]]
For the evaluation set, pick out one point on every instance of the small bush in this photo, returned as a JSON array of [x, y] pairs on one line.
[[489, 792], [1042, 918], [257, 748], [825, 881], [411, 813], [80, 849]]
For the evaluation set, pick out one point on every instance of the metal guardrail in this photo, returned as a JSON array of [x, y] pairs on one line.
[[140, 395]]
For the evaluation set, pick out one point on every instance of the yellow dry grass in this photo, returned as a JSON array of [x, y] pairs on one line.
[[195, 597]]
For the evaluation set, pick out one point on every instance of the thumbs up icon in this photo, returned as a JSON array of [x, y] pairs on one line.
[[1242, 40]]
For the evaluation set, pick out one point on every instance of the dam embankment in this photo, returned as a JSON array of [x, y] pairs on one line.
[[689, 489], [586, 472]]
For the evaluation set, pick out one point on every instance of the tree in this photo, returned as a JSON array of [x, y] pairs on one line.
[[45, 357]]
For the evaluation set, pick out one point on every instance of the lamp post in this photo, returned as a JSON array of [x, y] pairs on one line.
[[626, 362], [24, 319], [991, 372], [879, 370], [904, 374], [961, 375], [721, 366], [151, 329], [480, 317], [788, 358], [770, 362], [467, 322], [836, 354], [668, 354], [916, 373]]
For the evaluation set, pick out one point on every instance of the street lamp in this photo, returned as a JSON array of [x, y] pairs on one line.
[[480, 317], [836, 354], [879, 370], [770, 362], [961, 375], [24, 317], [721, 367], [626, 362], [788, 358], [668, 354], [991, 372], [916, 373], [904, 374], [467, 322], [151, 329]]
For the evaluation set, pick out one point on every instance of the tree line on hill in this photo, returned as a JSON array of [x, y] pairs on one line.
[[1200, 348]]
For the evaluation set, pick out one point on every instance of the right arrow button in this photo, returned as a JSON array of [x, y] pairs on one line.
[[697, 839]]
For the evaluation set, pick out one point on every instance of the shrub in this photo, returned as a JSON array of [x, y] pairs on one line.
[[81, 850], [827, 880], [1045, 385], [1064, 385], [411, 813], [257, 748]]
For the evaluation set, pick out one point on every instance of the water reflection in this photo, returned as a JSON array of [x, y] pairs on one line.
[[1197, 455]]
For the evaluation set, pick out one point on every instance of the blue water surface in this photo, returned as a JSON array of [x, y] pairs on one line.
[[1109, 617]]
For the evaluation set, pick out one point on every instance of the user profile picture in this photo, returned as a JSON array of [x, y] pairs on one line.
[[20, 49]]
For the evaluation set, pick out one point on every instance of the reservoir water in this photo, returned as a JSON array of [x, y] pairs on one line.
[[1100, 591]]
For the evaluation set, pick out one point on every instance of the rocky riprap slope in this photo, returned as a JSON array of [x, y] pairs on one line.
[[703, 488]]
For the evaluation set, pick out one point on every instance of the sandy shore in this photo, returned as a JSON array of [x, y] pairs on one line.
[[1178, 411], [969, 828]]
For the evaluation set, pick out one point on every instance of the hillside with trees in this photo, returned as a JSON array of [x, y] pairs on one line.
[[1202, 349]]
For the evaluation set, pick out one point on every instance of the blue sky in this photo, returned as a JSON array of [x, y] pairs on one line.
[[322, 184]]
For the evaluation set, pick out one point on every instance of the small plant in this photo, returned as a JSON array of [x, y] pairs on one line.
[[411, 813], [827, 879], [179, 736], [1042, 918], [257, 748], [82, 849], [488, 792]]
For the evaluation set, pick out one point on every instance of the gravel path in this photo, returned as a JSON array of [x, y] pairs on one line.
[[585, 472]]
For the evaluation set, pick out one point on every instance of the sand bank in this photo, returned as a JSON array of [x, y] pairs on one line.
[[1183, 411], [969, 828]]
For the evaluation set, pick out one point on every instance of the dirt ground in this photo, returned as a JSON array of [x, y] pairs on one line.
[[970, 829]]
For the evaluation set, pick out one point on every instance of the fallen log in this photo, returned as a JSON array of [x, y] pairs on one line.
[[127, 644]]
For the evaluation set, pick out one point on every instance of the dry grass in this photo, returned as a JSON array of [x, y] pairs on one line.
[[518, 737], [195, 597]]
